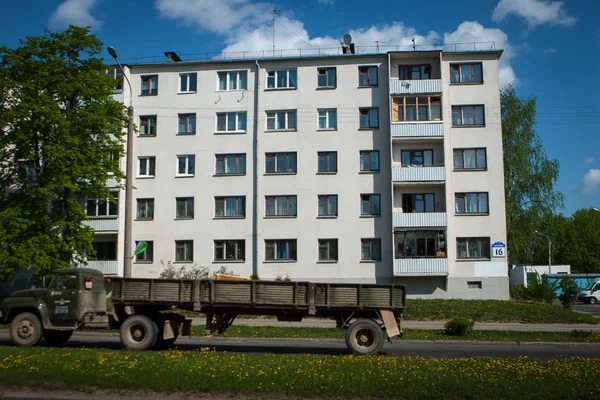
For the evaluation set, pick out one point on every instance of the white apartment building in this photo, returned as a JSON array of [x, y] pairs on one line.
[[373, 168]]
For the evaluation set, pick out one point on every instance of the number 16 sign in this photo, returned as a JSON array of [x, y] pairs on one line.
[[498, 250]]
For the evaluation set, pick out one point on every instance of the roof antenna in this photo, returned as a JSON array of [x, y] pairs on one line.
[[275, 11], [414, 47]]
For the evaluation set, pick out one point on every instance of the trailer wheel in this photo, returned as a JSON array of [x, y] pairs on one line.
[[364, 337], [57, 338], [138, 332], [26, 330]]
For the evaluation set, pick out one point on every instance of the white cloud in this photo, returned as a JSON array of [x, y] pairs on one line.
[[590, 183], [550, 51], [75, 12], [472, 31], [588, 160], [535, 12], [326, 2]]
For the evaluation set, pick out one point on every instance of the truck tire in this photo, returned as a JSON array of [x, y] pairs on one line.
[[364, 337], [591, 300], [138, 332], [26, 330], [57, 338]]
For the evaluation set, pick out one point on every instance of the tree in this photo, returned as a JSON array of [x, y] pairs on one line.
[[529, 176], [62, 139], [586, 244]]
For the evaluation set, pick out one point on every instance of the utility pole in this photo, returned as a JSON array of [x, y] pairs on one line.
[[275, 11]]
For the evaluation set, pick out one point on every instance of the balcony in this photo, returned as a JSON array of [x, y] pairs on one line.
[[106, 267], [423, 86], [417, 129], [421, 267], [103, 225], [419, 174], [420, 220]]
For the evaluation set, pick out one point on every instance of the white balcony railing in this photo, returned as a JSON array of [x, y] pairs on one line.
[[103, 224], [421, 267], [417, 129], [419, 174], [420, 220], [423, 86], [106, 267]]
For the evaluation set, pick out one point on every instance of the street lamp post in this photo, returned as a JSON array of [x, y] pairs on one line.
[[549, 252], [128, 175]]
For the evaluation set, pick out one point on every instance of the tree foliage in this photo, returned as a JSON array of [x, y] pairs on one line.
[[61, 140], [529, 176], [585, 257]]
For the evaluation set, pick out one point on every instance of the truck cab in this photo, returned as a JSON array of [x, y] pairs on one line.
[[75, 298], [591, 293]]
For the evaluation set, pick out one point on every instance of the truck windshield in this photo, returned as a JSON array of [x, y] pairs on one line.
[[62, 282], [591, 284]]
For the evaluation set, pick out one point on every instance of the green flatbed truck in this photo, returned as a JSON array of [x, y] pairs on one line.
[[76, 299]]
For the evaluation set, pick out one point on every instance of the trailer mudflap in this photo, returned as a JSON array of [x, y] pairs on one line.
[[186, 327], [389, 320]]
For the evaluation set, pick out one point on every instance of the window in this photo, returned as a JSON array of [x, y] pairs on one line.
[[184, 208], [369, 118], [417, 158], [328, 249], [414, 72], [230, 207], [184, 250], [148, 254], [105, 251], [327, 119], [231, 122], [282, 79], [187, 82], [186, 165], [370, 204], [466, 73], [418, 202], [327, 163], [233, 80], [474, 285], [326, 78], [281, 120], [145, 209], [231, 164], [280, 163], [417, 108], [148, 125], [467, 115], [146, 166], [370, 249], [369, 160], [230, 250], [367, 76], [280, 206], [470, 159], [471, 203], [473, 248], [103, 207], [149, 85], [420, 244], [328, 205], [284, 250], [187, 124]]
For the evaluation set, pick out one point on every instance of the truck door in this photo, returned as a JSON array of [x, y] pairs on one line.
[[595, 292], [63, 300]]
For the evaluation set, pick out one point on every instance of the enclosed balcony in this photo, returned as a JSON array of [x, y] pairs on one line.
[[424, 86], [418, 161], [417, 129], [420, 252], [107, 267], [421, 267], [419, 220], [103, 225], [420, 207], [416, 73]]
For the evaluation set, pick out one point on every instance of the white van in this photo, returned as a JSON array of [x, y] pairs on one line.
[[591, 294]]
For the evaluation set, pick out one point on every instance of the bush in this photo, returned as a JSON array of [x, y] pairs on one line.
[[569, 292], [539, 290], [195, 272], [459, 326]]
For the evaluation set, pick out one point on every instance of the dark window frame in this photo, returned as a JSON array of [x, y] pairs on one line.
[[146, 204], [291, 249], [223, 247], [331, 249], [461, 109], [326, 71], [460, 80], [326, 157], [188, 251], [461, 197], [188, 211], [462, 157], [483, 247]]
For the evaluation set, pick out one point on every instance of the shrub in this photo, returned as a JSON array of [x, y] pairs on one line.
[[459, 326], [195, 272], [538, 290], [569, 292], [255, 277]]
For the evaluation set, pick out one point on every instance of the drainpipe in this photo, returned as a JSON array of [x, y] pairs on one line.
[[255, 174]]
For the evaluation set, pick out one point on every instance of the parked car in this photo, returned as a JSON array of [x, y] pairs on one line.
[[591, 294]]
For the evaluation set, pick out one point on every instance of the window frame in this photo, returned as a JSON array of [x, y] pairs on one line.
[[273, 115], [147, 256], [328, 205], [368, 76], [187, 167], [401, 115], [186, 203], [238, 125], [275, 157], [188, 82], [221, 245], [291, 250], [327, 114], [439, 243], [223, 159], [291, 206], [327, 78], [361, 111], [240, 207], [460, 81], [481, 241], [275, 78], [465, 203], [474, 107], [412, 155], [108, 249], [112, 208], [238, 80], [186, 117], [462, 156], [372, 205], [412, 197], [188, 248], [362, 154], [422, 71], [148, 122], [326, 156], [150, 162], [331, 248], [149, 78], [370, 242], [147, 203]]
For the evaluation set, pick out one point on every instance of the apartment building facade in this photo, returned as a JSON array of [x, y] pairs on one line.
[[333, 168]]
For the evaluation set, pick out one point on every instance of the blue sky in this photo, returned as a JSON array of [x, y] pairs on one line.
[[551, 48]]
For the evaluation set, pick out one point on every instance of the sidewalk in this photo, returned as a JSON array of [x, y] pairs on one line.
[[495, 326]]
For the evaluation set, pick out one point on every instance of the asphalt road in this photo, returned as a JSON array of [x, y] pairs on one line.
[[593, 309], [426, 349]]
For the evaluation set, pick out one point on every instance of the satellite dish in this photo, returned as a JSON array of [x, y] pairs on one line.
[[347, 39]]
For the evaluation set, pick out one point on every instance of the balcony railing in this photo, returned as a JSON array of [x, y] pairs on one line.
[[417, 129], [103, 225], [419, 174], [423, 86], [421, 267], [420, 220], [106, 267]]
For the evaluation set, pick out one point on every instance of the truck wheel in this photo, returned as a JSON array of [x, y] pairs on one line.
[[591, 300], [26, 330], [57, 338], [138, 332], [364, 337]]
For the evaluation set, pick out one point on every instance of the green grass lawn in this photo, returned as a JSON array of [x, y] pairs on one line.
[[206, 371]]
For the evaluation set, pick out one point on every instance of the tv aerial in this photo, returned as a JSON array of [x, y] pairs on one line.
[[347, 44]]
